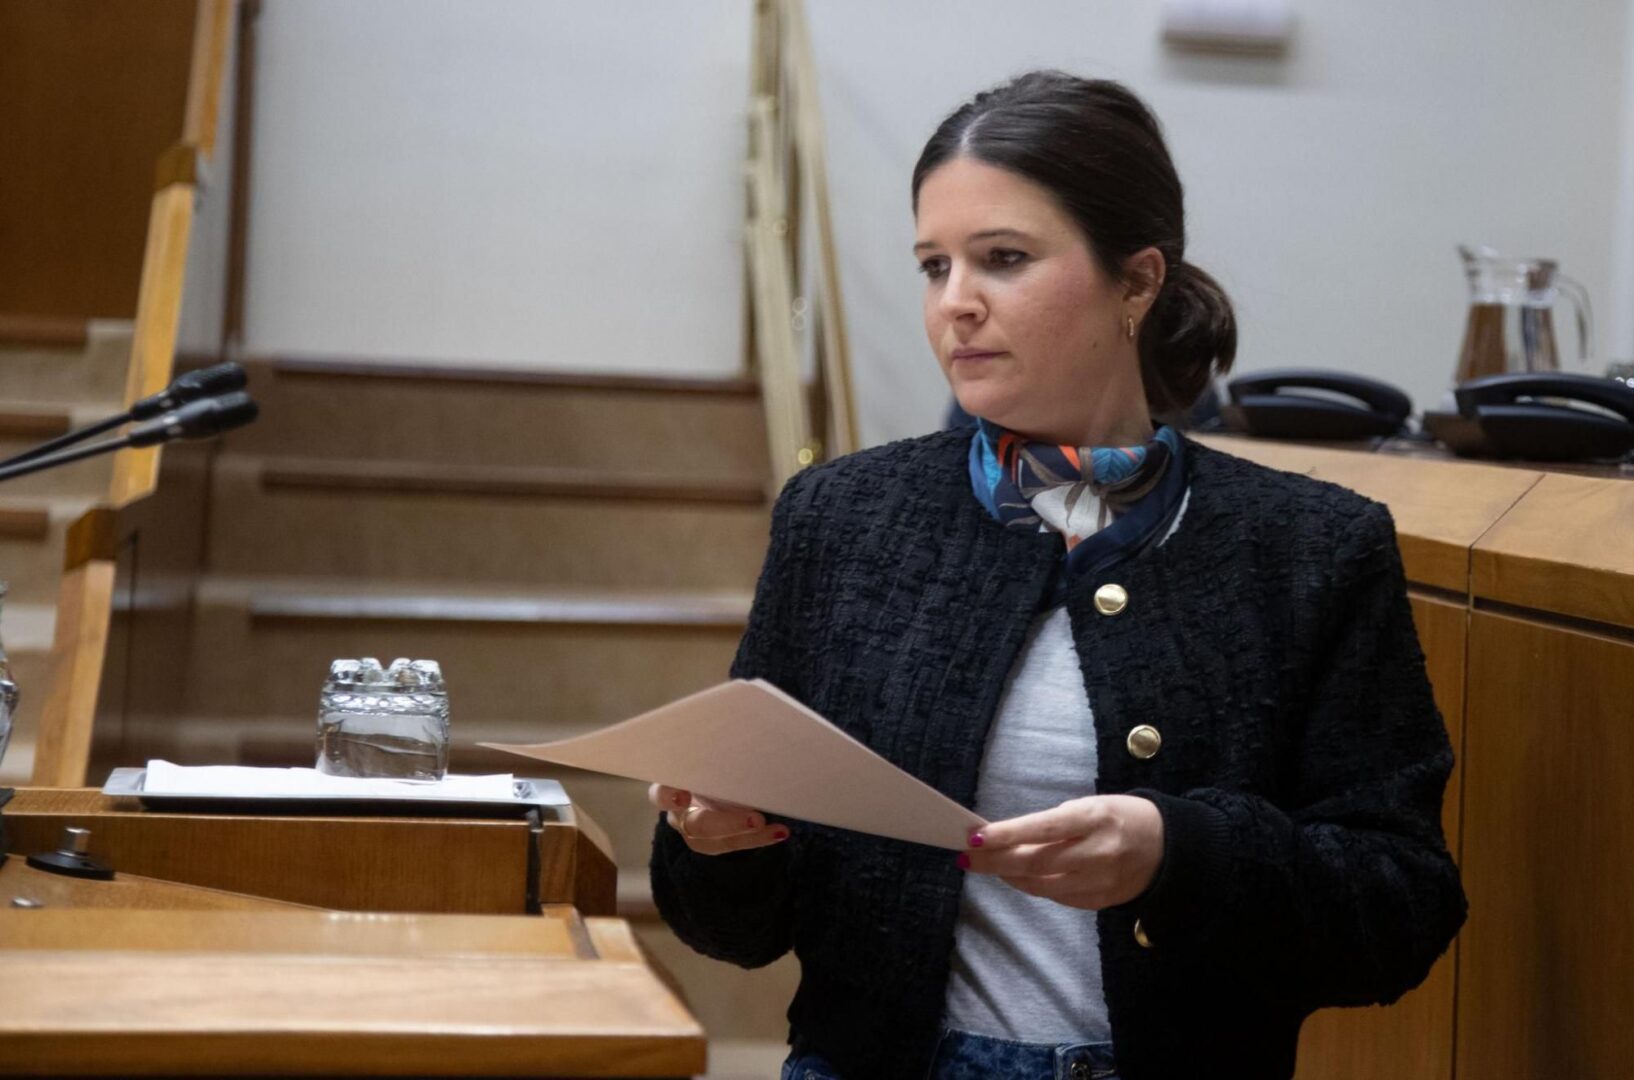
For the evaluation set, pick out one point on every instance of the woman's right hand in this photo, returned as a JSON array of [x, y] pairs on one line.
[[713, 827]]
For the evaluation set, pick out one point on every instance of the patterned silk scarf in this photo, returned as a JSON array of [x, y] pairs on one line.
[[1074, 491]]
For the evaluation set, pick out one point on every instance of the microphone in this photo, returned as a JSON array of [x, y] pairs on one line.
[[195, 420], [204, 383]]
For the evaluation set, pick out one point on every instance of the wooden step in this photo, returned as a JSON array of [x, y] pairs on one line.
[[20, 521], [32, 537], [52, 375], [601, 537], [423, 478], [316, 600], [520, 665], [86, 479], [461, 415], [49, 331], [32, 423]]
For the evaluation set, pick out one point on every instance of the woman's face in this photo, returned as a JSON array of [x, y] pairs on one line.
[[1028, 328]]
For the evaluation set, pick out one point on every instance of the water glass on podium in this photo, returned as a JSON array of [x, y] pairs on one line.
[[384, 722]]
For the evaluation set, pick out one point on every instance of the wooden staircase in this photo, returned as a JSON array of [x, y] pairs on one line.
[[47, 388], [572, 550]]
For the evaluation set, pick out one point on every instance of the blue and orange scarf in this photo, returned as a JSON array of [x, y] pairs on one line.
[[1103, 501]]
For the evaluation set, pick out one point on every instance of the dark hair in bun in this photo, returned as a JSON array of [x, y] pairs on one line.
[[1099, 150]]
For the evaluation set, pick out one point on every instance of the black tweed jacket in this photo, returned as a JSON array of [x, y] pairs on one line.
[[1300, 775]]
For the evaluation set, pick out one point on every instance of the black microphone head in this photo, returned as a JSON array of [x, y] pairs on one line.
[[214, 380], [218, 414], [203, 383], [197, 420]]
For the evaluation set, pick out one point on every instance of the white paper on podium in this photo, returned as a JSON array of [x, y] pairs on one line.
[[747, 742]]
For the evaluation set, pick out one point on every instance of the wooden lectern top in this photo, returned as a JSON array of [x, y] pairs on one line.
[[1441, 507], [235, 993], [463, 949]]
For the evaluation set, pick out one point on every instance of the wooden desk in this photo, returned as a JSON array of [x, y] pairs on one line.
[[238, 993]]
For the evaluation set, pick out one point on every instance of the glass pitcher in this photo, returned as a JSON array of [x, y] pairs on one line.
[[1511, 314]]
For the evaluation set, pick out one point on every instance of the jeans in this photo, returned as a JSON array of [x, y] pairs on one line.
[[964, 1056]]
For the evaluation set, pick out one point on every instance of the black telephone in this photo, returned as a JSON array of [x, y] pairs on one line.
[[1526, 415], [1345, 407]]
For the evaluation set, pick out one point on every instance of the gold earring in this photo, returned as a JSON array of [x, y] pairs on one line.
[[1129, 326]]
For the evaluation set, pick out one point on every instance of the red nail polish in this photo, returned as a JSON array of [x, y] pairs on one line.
[[977, 840], [963, 860], [781, 834]]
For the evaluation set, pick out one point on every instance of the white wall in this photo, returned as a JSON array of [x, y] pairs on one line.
[[1620, 343], [559, 185], [500, 181], [204, 291]]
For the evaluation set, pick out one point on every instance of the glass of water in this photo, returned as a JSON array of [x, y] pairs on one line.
[[384, 722]]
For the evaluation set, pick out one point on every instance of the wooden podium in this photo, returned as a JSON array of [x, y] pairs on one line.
[[247, 945]]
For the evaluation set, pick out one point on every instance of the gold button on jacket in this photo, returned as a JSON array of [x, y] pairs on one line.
[[1140, 936], [1144, 742], [1111, 599]]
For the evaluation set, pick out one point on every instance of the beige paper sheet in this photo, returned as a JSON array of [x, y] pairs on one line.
[[747, 742]]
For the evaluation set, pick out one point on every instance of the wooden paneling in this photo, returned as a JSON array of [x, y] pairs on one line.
[[226, 994], [1441, 508], [1566, 548], [1412, 1039], [1545, 963], [1443, 632], [90, 94]]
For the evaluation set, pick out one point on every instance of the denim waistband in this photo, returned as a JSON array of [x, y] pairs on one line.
[[963, 1055]]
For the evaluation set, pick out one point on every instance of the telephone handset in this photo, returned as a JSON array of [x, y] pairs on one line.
[[1541, 416], [1345, 406]]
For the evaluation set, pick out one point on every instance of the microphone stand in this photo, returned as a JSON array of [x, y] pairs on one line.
[[63, 457], [195, 420]]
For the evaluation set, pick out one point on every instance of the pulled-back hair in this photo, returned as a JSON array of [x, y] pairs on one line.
[[1099, 151]]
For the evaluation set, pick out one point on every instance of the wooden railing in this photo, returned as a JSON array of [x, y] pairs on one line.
[[170, 226], [87, 595], [795, 337]]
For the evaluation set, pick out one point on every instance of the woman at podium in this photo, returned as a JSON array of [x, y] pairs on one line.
[[1186, 689]]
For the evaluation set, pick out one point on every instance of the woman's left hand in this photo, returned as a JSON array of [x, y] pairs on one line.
[[1095, 852]]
